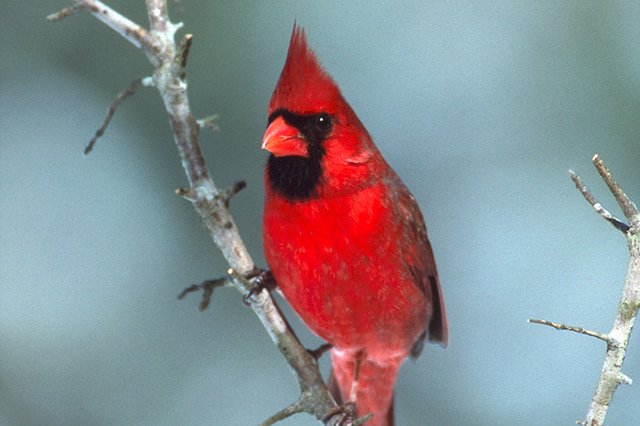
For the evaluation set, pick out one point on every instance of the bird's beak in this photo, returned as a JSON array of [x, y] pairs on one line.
[[282, 139]]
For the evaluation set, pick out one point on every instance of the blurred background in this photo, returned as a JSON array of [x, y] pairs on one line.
[[481, 107]]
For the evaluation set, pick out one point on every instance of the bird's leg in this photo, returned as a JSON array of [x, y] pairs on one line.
[[353, 394], [347, 411]]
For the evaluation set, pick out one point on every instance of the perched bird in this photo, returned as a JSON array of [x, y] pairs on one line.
[[344, 237]]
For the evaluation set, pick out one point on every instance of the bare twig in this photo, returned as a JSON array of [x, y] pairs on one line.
[[211, 122], [628, 207], [225, 195], [320, 350], [122, 96], [187, 193], [229, 192], [182, 56], [617, 223], [558, 326], [210, 203], [611, 375], [295, 408], [207, 288], [64, 13]]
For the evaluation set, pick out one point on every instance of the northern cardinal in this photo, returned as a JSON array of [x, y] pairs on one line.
[[344, 237]]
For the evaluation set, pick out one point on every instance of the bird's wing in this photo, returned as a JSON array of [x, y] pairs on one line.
[[420, 260]]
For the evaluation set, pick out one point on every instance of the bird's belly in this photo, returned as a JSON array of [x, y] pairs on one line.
[[348, 283]]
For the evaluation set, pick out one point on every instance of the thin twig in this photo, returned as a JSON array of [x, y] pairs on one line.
[[64, 13], [617, 223], [320, 350], [229, 192], [182, 56], [295, 408], [604, 337], [122, 96], [211, 122], [207, 288], [628, 207], [625, 380], [225, 195], [187, 193]]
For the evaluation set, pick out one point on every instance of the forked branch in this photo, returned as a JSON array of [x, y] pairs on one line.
[[617, 340]]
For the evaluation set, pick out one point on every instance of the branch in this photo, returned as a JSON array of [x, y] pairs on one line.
[[315, 397], [617, 223], [296, 407], [67, 11], [139, 36], [180, 60], [628, 207], [211, 204], [611, 375], [207, 288], [580, 330], [211, 122], [122, 96]]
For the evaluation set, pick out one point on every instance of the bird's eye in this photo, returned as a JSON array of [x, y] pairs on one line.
[[323, 122]]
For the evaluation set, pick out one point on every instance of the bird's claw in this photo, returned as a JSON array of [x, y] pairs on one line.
[[262, 279], [345, 413]]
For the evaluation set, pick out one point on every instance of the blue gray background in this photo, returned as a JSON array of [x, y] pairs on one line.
[[481, 107]]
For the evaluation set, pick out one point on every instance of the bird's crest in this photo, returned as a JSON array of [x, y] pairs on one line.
[[304, 86]]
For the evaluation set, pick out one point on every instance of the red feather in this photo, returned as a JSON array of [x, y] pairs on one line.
[[344, 237]]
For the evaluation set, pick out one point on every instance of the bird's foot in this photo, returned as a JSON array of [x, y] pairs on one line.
[[262, 279], [344, 414]]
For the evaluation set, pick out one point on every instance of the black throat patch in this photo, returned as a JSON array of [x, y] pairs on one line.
[[297, 178]]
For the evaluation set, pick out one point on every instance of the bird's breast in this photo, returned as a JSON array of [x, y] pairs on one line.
[[338, 262]]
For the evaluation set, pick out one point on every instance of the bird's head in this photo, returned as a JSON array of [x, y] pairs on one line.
[[317, 143]]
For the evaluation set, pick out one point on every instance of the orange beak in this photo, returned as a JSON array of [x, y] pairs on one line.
[[282, 139]]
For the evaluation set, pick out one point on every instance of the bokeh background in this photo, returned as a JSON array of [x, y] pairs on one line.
[[480, 106]]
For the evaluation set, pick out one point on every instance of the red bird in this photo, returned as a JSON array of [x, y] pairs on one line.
[[344, 237]]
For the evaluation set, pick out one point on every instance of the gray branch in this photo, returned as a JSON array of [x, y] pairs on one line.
[[122, 96], [604, 337], [169, 62], [611, 375], [617, 223]]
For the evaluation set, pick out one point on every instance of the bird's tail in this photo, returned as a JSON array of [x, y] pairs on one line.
[[373, 390]]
